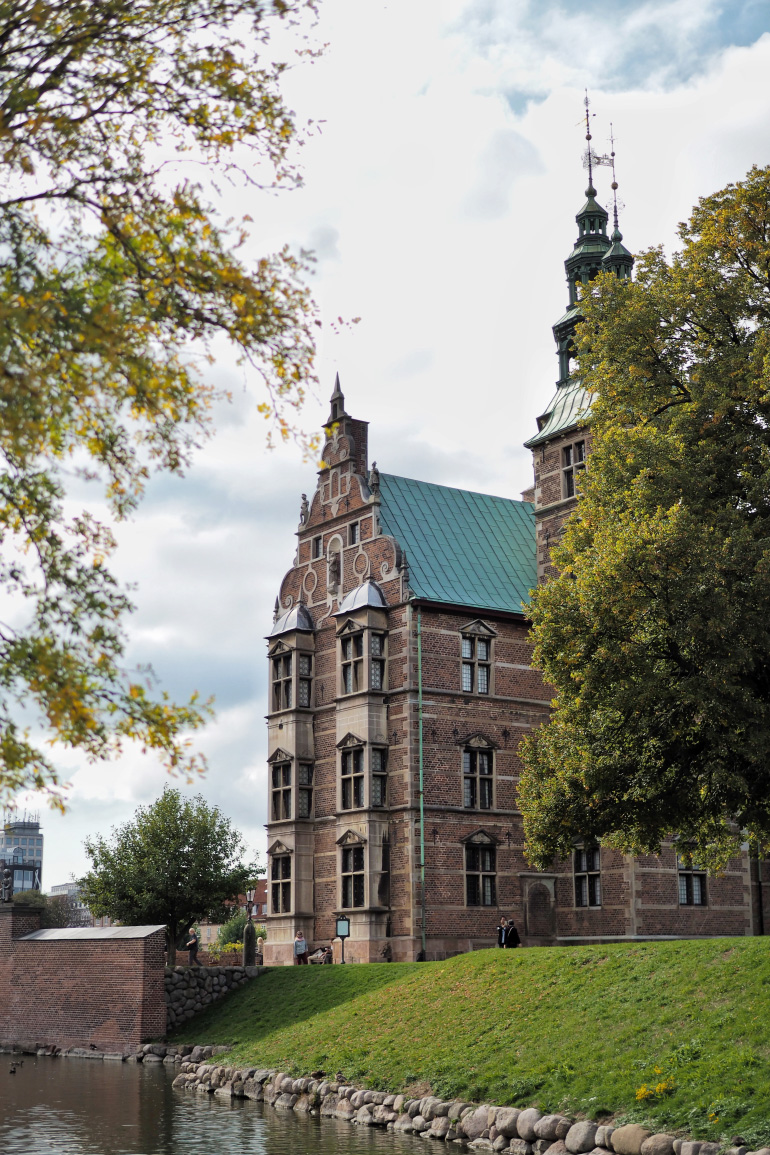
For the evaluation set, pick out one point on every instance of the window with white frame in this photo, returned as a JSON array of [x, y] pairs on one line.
[[588, 882], [692, 882], [476, 658]]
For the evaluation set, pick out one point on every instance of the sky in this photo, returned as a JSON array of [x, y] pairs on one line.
[[439, 197]]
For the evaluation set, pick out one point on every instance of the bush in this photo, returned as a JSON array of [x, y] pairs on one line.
[[232, 930]]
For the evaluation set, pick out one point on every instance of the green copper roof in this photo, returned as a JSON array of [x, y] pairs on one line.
[[462, 548], [569, 408]]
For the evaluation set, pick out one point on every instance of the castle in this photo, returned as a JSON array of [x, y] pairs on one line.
[[401, 684]]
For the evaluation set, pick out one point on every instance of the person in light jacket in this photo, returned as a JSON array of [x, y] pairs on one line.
[[501, 929], [300, 948]]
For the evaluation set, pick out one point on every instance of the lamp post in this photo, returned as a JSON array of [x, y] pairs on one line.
[[250, 901], [249, 934], [343, 932]]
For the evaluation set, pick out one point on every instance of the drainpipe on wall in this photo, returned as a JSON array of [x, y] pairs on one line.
[[422, 776]]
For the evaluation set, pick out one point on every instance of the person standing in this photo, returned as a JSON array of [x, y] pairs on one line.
[[501, 928], [192, 947], [511, 935], [300, 949]]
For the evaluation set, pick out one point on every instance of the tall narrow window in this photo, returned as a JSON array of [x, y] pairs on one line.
[[480, 880], [282, 682], [353, 876], [280, 878], [352, 663], [305, 790], [305, 684], [588, 882], [378, 661], [281, 791], [352, 779], [477, 779], [692, 882], [354, 534], [475, 665], [573, 460], [318, 547], [379, 776]]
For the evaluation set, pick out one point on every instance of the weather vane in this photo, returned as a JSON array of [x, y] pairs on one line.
[[591, 158]]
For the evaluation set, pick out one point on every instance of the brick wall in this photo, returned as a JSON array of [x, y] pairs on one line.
[[75, 992]]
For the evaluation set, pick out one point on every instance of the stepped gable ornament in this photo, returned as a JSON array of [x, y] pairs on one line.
[[374, 480], [7, 885], [304, 510]]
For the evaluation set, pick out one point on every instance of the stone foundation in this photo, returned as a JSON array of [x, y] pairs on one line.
[[189, 990]]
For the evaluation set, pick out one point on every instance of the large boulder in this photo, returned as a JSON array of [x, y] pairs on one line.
[[552, 1127], [474, 1123], [526, 1124], [628, 1140], [505, 1121], [582, 1137], [658, 1145]]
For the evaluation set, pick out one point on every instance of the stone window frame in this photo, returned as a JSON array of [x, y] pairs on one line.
[[291, 784], [352, 754], [362, 658], [295, 681], [473, 749], [353, 868], [477, 638], [281, 878], [317, 548], [573, 458], [354, 533], [691, 882], [587, 870], [378, 757], [480, 870]]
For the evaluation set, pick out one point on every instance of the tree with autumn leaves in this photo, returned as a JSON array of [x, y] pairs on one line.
[[116, 275], [656, 631]]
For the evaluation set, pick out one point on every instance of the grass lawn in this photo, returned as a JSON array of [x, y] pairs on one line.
[[589, 1030]]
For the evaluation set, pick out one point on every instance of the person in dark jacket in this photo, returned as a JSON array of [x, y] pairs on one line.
[[511, 935], [501, 929]]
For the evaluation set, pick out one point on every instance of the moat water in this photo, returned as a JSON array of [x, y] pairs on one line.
[[87, 1107]]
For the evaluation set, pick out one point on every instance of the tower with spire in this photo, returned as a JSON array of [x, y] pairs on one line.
[[562, 442]]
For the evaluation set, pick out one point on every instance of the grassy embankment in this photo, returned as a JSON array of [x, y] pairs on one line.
[[589, 1030]]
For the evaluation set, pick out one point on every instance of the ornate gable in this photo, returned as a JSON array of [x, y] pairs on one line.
[[279, 847], [480, 629], [350, 740], [480, 838], [279, 755], [278, 648], [478, 741], [351, 838], [349, 627]]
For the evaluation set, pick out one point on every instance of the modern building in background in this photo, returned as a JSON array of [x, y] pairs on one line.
[[21, 849], [401, 683], [79, 912]]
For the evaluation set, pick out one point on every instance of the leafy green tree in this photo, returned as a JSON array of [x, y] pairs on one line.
[[232, 930], [57, 911], [178, 861], [116, 276], [656, 631]]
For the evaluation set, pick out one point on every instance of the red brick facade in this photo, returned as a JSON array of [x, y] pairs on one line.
[[78, 991], [321, 838]]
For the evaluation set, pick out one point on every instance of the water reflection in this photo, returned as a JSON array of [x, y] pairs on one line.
[[84, 1107]]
